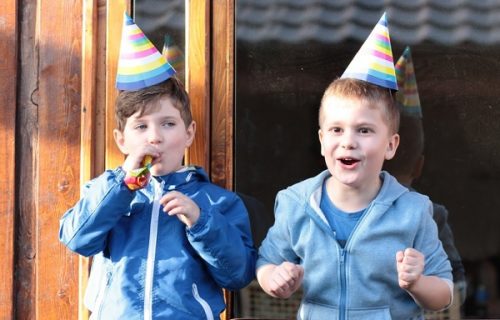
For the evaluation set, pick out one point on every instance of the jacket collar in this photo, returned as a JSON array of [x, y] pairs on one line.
[[182, 178]]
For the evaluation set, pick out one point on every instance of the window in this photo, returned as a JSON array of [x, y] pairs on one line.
[[287, 52]]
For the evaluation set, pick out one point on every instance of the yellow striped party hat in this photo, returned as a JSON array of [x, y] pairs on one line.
[[173, 54], [140, 64], [407, 97], [373, 62]]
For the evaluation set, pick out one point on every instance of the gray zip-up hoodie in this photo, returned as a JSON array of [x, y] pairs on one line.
[[359, 281]]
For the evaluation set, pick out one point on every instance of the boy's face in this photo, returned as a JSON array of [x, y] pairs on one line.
[[161, 130], [355, 140]]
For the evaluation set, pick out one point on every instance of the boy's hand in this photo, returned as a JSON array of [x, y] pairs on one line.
[[285, 279], [134, 159], [176, 203], [410, 265]]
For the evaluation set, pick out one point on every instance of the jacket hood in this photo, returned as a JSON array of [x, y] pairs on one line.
[[389, 192]]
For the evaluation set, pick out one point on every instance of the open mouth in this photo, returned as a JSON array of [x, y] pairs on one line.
[[348, 161]]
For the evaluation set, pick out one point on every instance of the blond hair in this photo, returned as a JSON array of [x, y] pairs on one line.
[[353, 88]]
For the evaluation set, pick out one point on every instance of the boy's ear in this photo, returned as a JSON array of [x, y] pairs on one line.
[[190, 131], [120, 140], [392, 146], [320, 136]]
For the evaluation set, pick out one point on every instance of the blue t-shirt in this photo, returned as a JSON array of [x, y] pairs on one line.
[[342, 223]]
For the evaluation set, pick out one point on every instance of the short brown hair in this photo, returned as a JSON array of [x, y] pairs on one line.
[[130, 102], [353, 88]]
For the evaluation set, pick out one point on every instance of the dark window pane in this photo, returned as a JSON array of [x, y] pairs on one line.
[[287, 52], [164, 22]]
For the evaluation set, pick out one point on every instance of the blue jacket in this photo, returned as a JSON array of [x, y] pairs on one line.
[[359, 281], [149, 265]]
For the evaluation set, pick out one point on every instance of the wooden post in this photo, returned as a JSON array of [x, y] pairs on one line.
[[8, 104], [27, 159], [88, 133], [222, 93], [198, 78], [114, 24], [59, 34], [221, 148]]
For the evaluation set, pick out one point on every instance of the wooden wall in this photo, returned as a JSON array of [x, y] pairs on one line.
[[8, 79], [40, 138], [57, 67]]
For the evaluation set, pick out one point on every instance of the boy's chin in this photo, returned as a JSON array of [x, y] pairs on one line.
[[159, 170]]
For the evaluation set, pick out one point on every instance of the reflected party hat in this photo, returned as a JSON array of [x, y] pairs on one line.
[[373, 62], [173, 54], [140, 64], [407, 97]]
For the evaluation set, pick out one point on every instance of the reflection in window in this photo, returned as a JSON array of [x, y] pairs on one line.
[[287, 52], [163, 22]]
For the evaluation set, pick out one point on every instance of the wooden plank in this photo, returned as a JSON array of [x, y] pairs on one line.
[[8, 104], [223, 93], [27, 146], [87, 137], [59, 38], [100, 89], [198, 78], [221, 150], [114, 22]]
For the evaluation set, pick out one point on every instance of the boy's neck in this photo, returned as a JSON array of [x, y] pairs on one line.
[[349, 199]]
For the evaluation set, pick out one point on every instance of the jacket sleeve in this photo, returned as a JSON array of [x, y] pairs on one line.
[[427, 242], [84, 227], [276, 247], [223, 239]]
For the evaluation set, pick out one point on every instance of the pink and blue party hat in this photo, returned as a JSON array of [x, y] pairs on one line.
[[173, 54], [140, 64], [373, 63], [407, 97]]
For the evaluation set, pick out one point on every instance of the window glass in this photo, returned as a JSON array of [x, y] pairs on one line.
[[163, 22], [287, 52]]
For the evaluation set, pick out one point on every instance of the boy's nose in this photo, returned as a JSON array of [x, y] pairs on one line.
[[154, 136], [348, 141]]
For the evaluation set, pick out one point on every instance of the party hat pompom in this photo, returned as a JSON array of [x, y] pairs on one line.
[[140, 64], [407, 96], [373, 63], [173, 54]]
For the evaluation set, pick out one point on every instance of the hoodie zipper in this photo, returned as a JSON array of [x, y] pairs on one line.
[[150, 263], [342, 306], [204, 304], [343, 267]]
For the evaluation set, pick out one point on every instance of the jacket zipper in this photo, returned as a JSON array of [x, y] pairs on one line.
[[343, 279], [150, 263], [100, 296], [204, 304], [342, 304]]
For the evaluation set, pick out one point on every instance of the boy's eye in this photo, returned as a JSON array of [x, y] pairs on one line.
[[140, 127], [336, 129], [365, 130], [169, 124]]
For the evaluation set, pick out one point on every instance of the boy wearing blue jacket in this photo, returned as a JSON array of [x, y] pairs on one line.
[[167, 243], [360, 244]]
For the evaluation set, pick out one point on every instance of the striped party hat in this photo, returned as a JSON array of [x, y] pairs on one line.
[[407, 96], [173, 54], [373, 63], [140, 64]]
